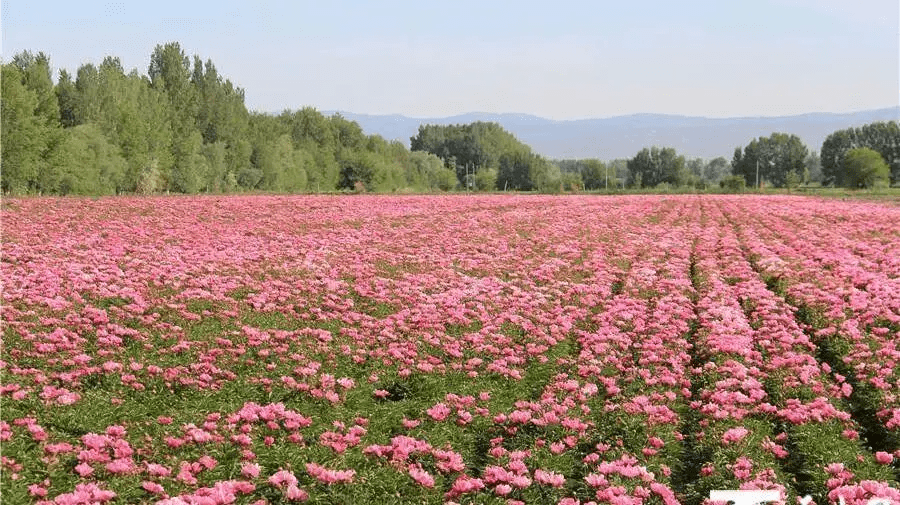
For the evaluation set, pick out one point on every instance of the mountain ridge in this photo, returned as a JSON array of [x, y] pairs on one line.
[[623, 136]]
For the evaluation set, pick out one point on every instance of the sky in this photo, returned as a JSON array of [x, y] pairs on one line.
[[557, 59]]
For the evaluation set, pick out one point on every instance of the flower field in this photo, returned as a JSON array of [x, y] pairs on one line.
[[626, 350]]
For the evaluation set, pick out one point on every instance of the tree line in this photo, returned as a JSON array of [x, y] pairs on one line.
[[185, 128]]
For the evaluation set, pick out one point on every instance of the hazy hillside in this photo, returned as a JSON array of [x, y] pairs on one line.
[[623, 136]]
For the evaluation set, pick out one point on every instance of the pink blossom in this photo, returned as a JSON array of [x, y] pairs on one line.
[[37, 490], [83, 469], [282, 478], [734, 435], [250, 470], [421, 476], [153, 487], [549, 478], [157, 470], [294, 493], [463, 485], [884, 458], [438, 412]]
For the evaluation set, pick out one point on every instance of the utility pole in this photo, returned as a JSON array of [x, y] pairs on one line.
[[606, 183], [757, 173]]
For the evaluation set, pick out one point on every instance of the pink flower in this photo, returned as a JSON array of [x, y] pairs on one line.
[[503, 489], [520, 481], [734, 435], [250, 470], [88, 493], [552, 479], [37, 490], [294, 493], [328, 476], [121, 466], [421, 476], [439, 412], [464, 484], [884, 458], [207, 462], [153, 487], [157, 470], [595, 480], [742, 468], [282, 478], [83, 469]]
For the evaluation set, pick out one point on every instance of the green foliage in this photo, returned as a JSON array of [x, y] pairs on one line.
[[486, 179], [792, 180], [21, 132], [813, 168], [653, 166], [189, 164], [883, 137], [571, 181], [29, 115], [733, 183], [214, 179], [715, 170], [478, 146], [774, 157], [427, 172], [357, 170], [36, 75], [145, 136], [89, 164], [544, 176], [588, 174], [66, 97], [184, 128], [865, 168]]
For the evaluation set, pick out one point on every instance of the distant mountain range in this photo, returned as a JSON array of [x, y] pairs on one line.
[[623, 136]]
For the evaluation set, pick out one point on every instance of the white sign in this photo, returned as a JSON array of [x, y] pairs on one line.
[[759, 496], [746, 496]]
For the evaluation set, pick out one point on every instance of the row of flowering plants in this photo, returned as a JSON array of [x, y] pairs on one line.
[[498, 349], [826, 454], [846, 284], [737, 443], [635, 347]]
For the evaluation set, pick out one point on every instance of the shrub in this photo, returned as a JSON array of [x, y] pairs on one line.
[[733, 183], [865, 168]]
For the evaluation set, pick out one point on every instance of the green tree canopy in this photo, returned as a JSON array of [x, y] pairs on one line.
[[89, 164], [864, 168], [471, 148], [775, 156], [184, 127], [30, 129], [715, 170], [653, 166], [883, 137]]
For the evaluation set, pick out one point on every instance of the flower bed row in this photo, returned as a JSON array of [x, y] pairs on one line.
[[848, 289]]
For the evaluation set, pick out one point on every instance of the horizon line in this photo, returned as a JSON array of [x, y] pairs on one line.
[[589, 118]]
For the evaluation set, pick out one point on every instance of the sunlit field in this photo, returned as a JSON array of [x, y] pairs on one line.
[[499, 349]]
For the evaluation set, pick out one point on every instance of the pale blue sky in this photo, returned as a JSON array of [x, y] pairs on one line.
[[557, 59]]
